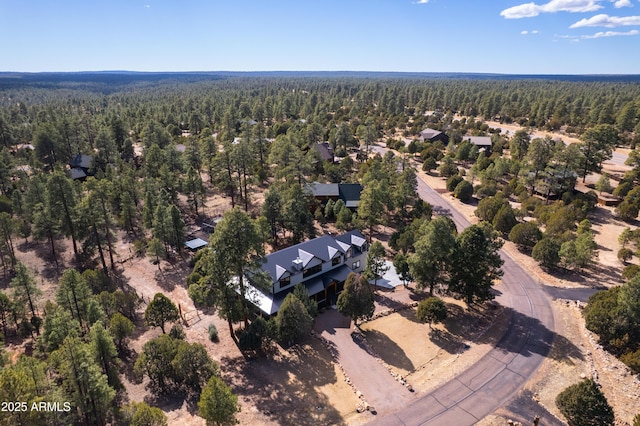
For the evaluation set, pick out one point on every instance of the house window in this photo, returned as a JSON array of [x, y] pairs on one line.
[[311, 271], [348, 254], [355, 265], [284, 281], [336, 261]]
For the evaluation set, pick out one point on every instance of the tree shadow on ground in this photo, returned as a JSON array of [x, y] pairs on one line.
[[447, 341], [526, 335], [126, 368], [525, 409], [284, 387], [470, 324], [441, 211], [393, 354], [48, 269], [173, 276], [386, 302], [592, 277], [582, 294]]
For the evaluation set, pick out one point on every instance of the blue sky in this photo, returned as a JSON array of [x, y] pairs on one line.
[[512, 36]]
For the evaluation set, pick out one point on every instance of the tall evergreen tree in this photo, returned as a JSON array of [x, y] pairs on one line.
[[476, 264], [430, 265], [357, 300]]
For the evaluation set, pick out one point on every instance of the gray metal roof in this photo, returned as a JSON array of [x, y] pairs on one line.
[[77, 173], [325, 248], [429, 133], [196, 243], [324, 189], [81, 160], [478, 140], [325, 151]]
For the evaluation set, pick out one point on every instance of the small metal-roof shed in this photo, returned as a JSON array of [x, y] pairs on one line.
[[196, 244]]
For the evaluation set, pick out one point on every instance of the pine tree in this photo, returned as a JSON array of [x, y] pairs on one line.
[[357, 300], [218, 405], [160, 311]]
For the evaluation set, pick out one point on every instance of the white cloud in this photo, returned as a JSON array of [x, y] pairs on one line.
[[421, 2], [612, 34], [524, 32], [607, 21], [621, 3], [534, 32], [529, 10]]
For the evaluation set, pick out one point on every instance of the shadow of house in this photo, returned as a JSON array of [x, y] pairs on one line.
[[81, 166]]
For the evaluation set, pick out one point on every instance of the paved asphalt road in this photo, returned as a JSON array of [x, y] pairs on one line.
[[494, 380], [618, 158]]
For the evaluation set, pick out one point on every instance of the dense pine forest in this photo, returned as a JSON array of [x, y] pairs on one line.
[[99, 168]]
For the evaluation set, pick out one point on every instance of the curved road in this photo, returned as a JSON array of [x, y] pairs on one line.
[[496, 378]]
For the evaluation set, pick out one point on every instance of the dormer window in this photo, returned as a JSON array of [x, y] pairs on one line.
[[348, 254], [284, 281], [312, 271], [336, 261]]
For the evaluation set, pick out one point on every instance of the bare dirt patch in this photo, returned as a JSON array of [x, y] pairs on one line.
[[300, 385], [428, 357]]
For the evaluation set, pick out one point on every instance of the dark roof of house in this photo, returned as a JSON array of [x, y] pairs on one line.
[[350, 192], [354, 237], [324, 248], [478, 140], [82, 161], [325, 151], [324, 189], [77, 173]]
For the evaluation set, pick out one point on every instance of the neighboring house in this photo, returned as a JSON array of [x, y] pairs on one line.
[[325, 151], [321, 264], [81, 166], [482, 142], [347, 192], [432, 135]]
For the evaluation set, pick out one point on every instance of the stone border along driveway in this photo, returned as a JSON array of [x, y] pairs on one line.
[[361, 368], [361, 340]]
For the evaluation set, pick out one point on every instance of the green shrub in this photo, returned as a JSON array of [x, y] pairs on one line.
[[525, 235], [584, 404], [463, 191], [546, 252], [625, 255], [177, 332], [630, 271], [453, 181], [632, 360], [213, 332]]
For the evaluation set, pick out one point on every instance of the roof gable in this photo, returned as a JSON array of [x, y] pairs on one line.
[[324, 248]]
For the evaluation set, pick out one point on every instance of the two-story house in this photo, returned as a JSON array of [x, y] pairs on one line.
[[321, 264]]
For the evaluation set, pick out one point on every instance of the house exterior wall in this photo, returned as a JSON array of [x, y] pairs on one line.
[[299, 277]]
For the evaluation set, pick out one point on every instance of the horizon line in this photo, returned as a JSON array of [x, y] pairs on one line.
[[114, 71]]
